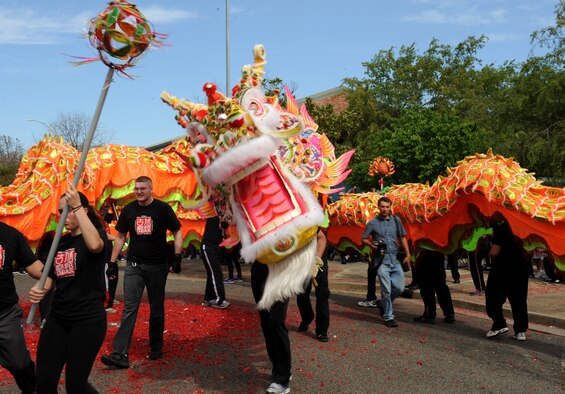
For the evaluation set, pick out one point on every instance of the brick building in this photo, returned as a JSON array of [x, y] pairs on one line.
[[337, 97]]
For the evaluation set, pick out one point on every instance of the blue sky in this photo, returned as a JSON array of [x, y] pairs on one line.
[[311, 44]]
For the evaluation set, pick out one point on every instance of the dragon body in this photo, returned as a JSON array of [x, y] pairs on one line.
[[454, 211]]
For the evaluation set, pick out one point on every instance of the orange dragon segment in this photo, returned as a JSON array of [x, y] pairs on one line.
[[445, 214], [30, 202]]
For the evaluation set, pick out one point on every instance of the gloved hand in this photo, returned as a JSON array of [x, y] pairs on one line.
[[319, 263], [176, 263], [112, 270]]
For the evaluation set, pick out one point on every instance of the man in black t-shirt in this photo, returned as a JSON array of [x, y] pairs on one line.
[[147, 221], [14, 355]]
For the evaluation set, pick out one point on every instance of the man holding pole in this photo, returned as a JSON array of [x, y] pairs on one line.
[[147, 221]]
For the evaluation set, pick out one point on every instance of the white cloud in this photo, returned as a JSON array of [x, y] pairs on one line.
[[160, 15], [498, 15], [25, 26], [504, 37], [465, 17]]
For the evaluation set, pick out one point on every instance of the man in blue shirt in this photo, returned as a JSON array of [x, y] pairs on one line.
[[383, 234]]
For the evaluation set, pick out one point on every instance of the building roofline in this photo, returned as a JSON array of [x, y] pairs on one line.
[[321, 95]]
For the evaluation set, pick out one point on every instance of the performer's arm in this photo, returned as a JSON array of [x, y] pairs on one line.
[[404, 244], [36, 294], [89, 233], [119, 242], [178, 241], [321, 243], [34, 270]]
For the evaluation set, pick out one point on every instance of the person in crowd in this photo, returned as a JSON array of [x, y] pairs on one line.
[[549, 268], [211, 251], [383, 234], [432, 283], [452, 263], [14, 354], [76, 326], [371, 300], [147, 220], [476, 263], [322, 290], [508, 279], [231, 257], [192, 252]]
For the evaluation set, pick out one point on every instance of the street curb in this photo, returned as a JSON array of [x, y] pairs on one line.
[[534, 317]]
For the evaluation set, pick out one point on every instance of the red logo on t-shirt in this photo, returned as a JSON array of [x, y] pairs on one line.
[[2, 257], [65, 263], [143, 225]]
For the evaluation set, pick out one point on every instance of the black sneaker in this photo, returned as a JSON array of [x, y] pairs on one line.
[[424, 319], [115, 359], [449, 319], [155, 355], [391, 323], [323, 338], [303, 326]]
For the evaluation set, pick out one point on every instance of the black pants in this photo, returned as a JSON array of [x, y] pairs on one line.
[[72, 345], [273, 327], [14, 355], [432, 282], [453, 266], [514, 287], [112, 286], [476, 268], [371, 280], [212, 258], [415, 274], [137, 277], [549, 269], [232, 259], [322, 302]]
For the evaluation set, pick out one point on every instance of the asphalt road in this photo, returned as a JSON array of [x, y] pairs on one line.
[[222, 351]]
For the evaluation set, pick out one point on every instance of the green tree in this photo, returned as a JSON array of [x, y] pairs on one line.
[[11, 152], [422, 143]]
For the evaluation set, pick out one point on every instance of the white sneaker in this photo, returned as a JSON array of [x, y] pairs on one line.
[[520, 336], [276, 388], [223, 305], [494, 333], [368, 304]]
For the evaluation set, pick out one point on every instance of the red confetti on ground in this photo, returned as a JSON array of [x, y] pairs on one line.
[[188, 328]]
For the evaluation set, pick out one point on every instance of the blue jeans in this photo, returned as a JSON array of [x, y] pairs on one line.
[[391, 278], [136, 278]]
